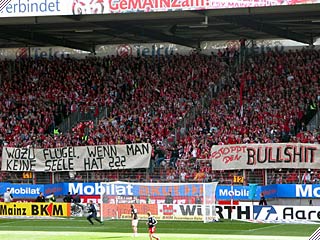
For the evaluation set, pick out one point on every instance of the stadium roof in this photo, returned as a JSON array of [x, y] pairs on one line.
[[188, 28]]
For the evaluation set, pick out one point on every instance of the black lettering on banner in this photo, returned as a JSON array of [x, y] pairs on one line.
[[280, 154], [269, 155], [241, 212], [297, 154], [310, 213], [20, 159], [288, 153], [43, 210], [219, 211], [251, 156], [3, 210], [20, 153], [20, 165], [187, 210], [303, 154], [92, 163], [229, 210], [135, 149], [62, 164], [301, 214], [57, 210], [102, 151], [118, 161], [259, 160], [12, 211], [59, 153], [34, 210], [312, 150], [288, 212]]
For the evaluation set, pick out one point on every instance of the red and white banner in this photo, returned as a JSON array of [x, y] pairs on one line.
[[265, 156], [25, 8]]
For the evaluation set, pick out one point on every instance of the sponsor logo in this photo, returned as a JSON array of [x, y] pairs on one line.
[[191, 210], [223, 212], [46, 210], [124, 50], [307, 191], [25, 191], [38, 52], [264, 213], [30, 7], [6, 210], [234, 193], [87, 7], [22, 53], [154, 50], [301, 213], [168, 210], [35, 209], [97, 189]]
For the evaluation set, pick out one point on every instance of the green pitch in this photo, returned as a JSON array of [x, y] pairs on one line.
[[80, 229]]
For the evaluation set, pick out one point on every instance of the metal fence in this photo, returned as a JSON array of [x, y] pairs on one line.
[[198, 171]]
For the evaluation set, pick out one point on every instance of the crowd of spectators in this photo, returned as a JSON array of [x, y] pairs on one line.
[[149, 97], [280, 95]]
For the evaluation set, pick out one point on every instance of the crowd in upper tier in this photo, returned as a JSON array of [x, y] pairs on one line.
[[270, 98]]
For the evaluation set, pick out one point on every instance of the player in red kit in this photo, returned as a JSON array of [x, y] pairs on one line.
[[152, 222]]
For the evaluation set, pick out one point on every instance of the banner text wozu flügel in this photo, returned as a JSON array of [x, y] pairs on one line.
[[84, 158], [35, 209]]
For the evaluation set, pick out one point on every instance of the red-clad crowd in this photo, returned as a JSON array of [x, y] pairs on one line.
[[269, 99]]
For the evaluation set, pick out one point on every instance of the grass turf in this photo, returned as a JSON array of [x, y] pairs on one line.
[[79, 228]]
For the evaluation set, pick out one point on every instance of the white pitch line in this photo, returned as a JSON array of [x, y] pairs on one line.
[[12, 222], [266, 227], [42, 235]]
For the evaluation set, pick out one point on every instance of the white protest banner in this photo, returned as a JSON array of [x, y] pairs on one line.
[[85, 158], [265, 156]]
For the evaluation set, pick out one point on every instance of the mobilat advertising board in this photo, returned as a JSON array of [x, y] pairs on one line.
[[31, 191], [35, 209], [22, 8]]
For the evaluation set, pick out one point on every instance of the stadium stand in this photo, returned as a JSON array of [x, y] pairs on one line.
[[182, 105]]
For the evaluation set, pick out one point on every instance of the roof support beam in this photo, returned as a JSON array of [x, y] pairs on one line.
[[44, 39], [268, 28], [153, 34]]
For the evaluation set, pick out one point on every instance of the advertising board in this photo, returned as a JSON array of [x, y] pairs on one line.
[[182, 195], [23, 8], [35, 209]]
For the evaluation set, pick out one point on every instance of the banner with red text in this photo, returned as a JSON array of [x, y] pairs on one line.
[[265, 156], [27, 8]]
